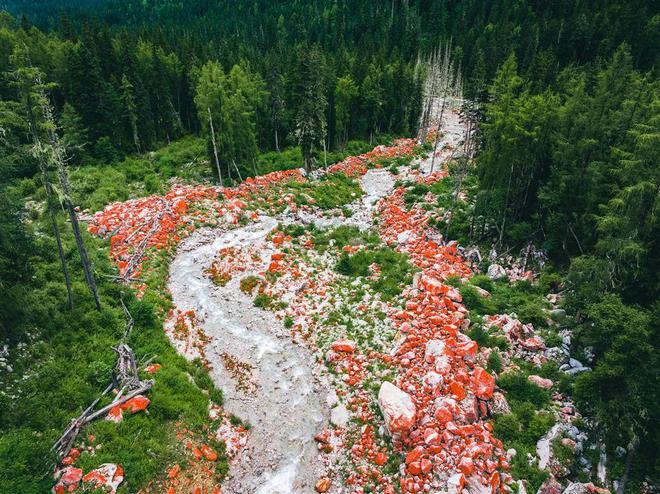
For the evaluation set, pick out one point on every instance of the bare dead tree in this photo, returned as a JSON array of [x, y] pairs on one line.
[[441, 88], [57, 156], [48, 187], [215, 147], [125, 379]]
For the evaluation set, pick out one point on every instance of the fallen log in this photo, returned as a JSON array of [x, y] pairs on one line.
[[125, 378]]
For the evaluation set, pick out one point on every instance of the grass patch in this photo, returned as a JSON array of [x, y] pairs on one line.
[[70, 360], [342, 236], [395, 269]]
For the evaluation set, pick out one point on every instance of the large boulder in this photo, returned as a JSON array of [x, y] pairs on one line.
[[496, 272], [397, 408], [483, 383], [540, 381]]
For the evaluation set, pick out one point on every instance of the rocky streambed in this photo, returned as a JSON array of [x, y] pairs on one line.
[[268, 380]]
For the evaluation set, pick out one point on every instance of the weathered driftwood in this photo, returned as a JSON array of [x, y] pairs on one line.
[[125, 378], [134, 261]]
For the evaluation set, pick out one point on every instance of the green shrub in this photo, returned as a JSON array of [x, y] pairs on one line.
[[249, 283], [495, 364], [395, 269], [520, 389]]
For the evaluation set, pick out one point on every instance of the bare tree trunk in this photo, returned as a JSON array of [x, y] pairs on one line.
[[215, 148], [632, 449], [49, 201], [277, 142], [325, 155], [136, 138], [237, 170], [58, 156], [437, 135], [58, 238]]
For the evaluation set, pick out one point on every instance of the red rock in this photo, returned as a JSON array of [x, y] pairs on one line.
[[443, 415], [457, 390], [136, 404], [414, 455], [431, 436], [483, 383], [152, 368], [415, 468], [540, 381], [323, 484], [71, 476], [115, 414], [323, 436], [174, 471], [380, 459], [208, 453], [106, 477], [533, 343], [550, 486], [466, 466], [344, 345], [426, 465]]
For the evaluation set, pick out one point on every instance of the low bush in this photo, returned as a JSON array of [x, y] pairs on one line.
[[395, 269], [519, 389]]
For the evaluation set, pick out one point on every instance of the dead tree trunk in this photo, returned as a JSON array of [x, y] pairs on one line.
[[215, 148], [49, 198], [56, 232], [58, 157]]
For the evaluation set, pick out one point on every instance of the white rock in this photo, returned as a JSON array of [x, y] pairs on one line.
[[332, 398], [434, 348], [495, 272], [432, 379], [339, 415], [403, 237], [397, 408]]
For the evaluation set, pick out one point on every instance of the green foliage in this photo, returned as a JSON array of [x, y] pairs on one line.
[[249, 283], [483, 338], [395, 269], [334, 191], [94, 186], [342, 236], [519, 389], [72, 363], [522, 298], [495, 362], [621, 392]]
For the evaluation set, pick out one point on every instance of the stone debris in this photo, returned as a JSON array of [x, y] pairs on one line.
[[434, 393], [397, 408]]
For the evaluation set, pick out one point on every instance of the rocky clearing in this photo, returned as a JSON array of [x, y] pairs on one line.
[[352, 374]]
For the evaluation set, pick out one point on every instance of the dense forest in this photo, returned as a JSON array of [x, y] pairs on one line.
[[566, 92]]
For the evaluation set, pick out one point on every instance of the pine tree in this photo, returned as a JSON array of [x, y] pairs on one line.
[[310, 130]]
